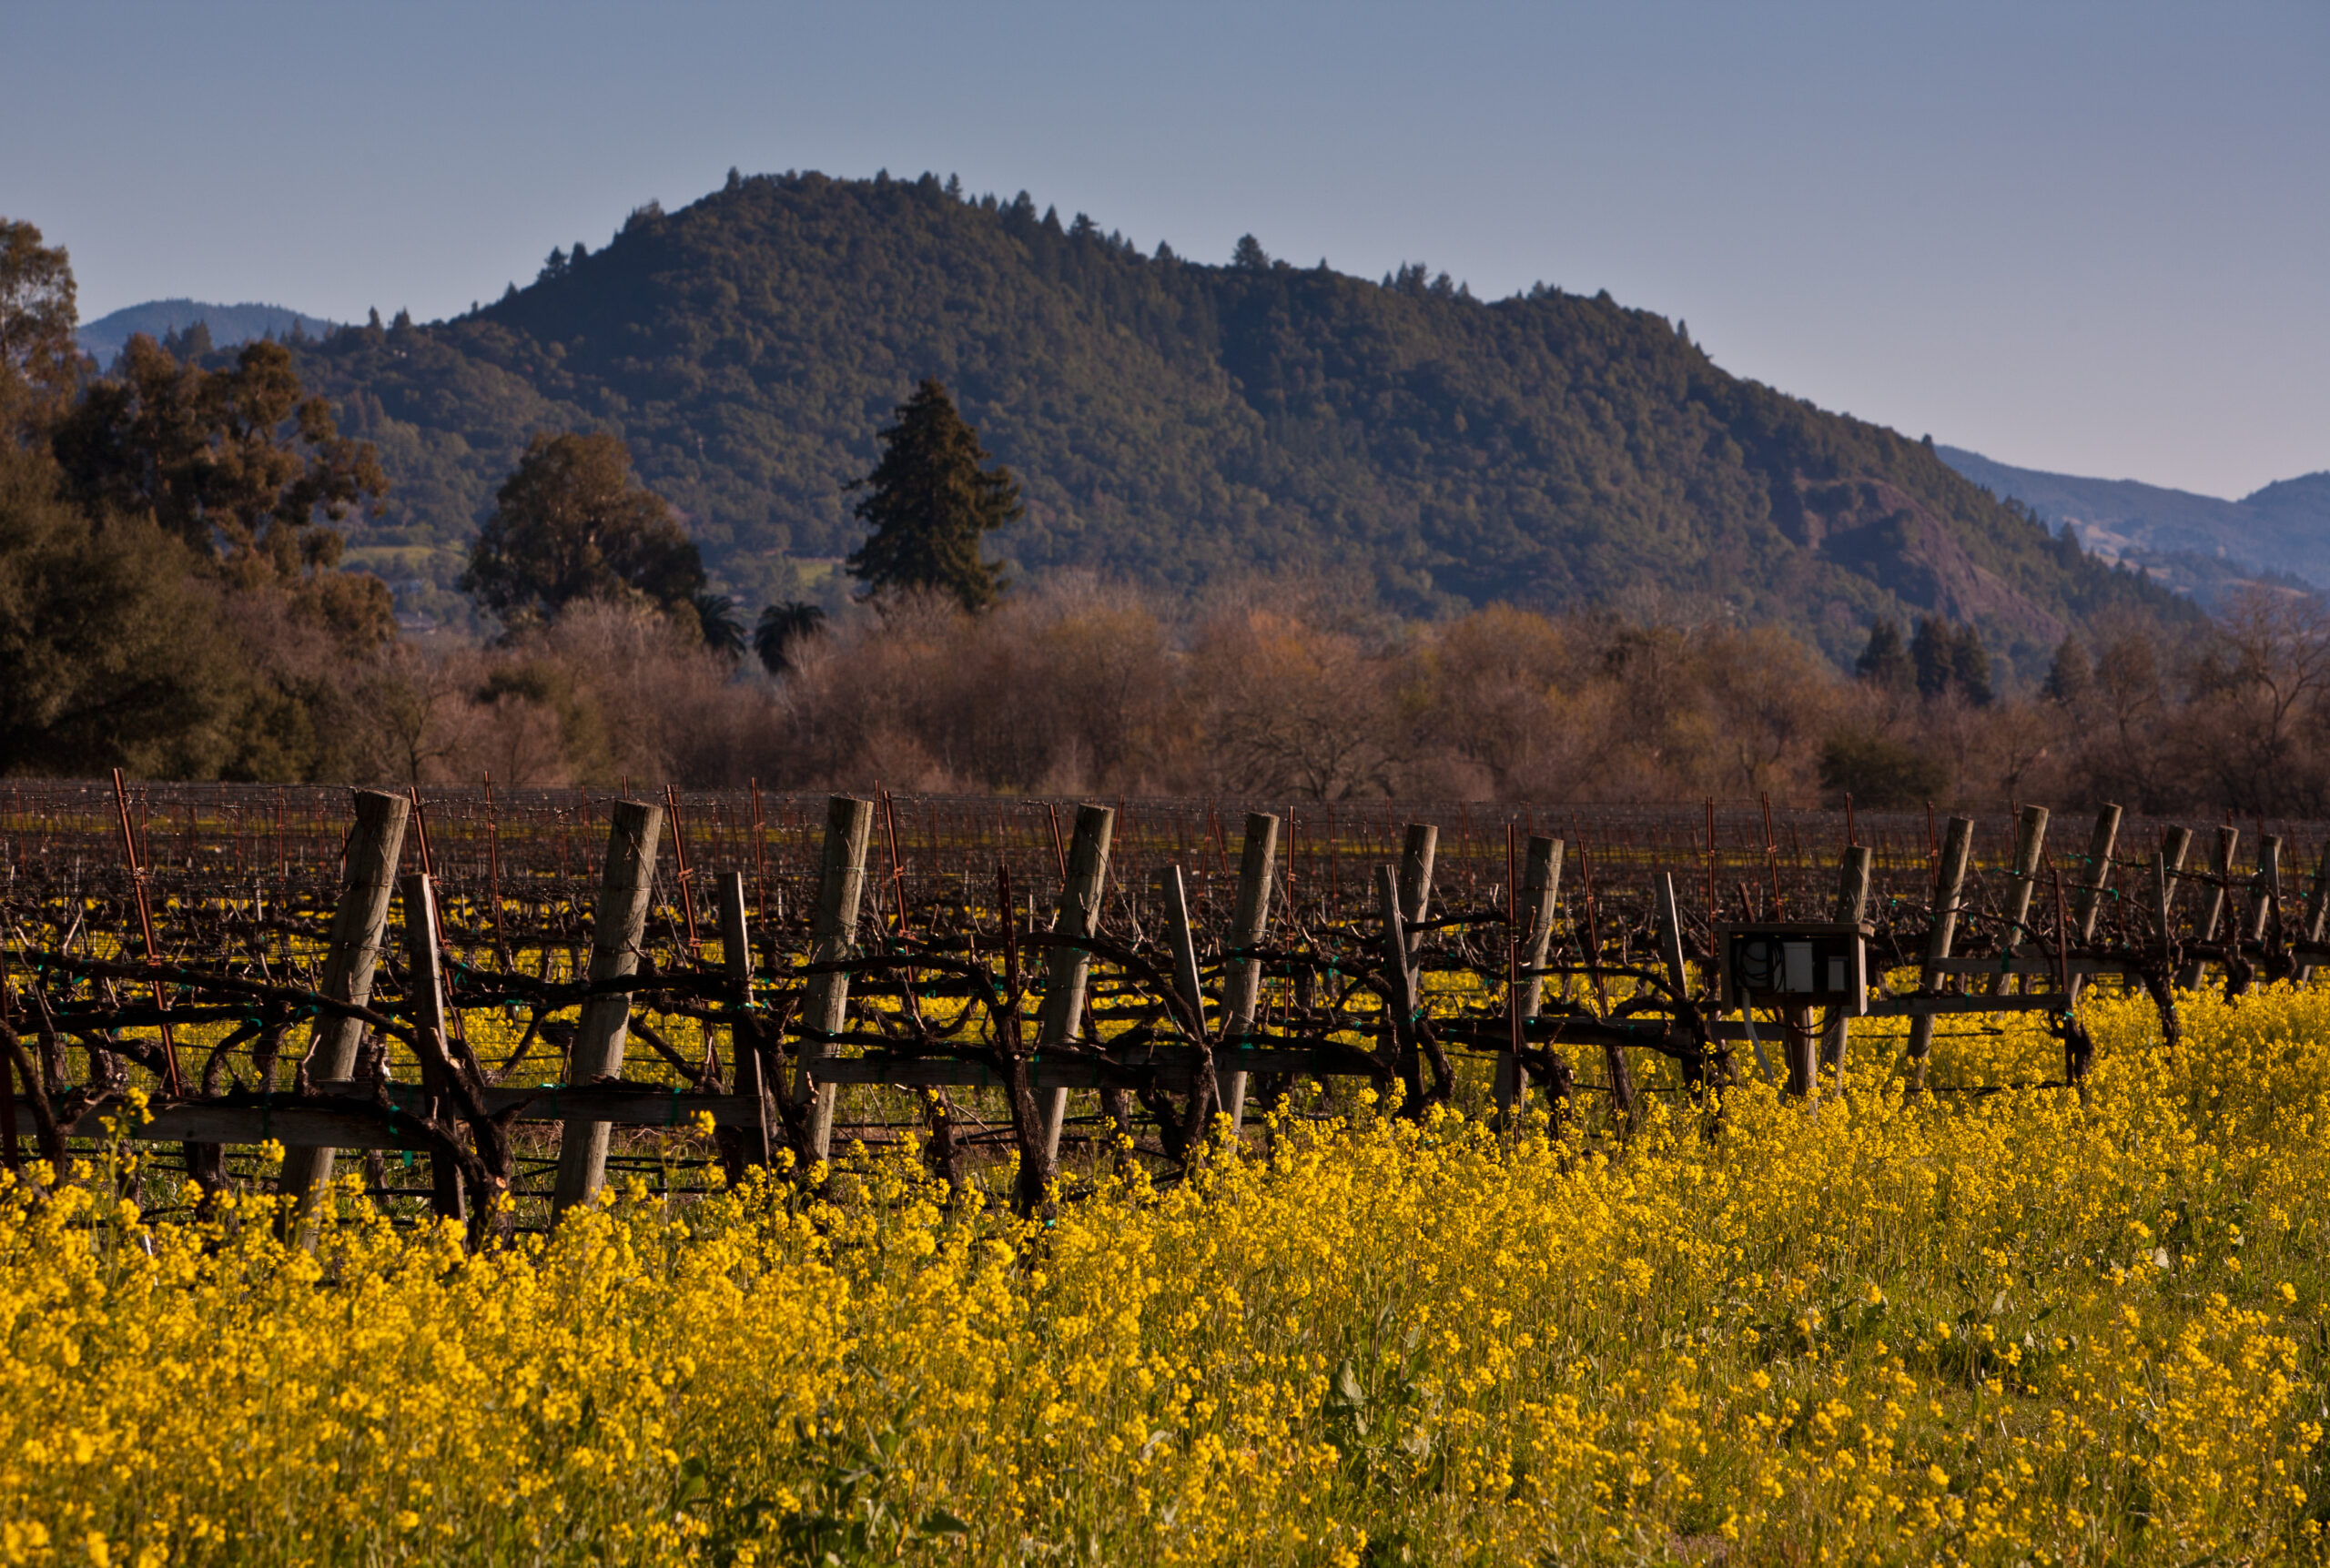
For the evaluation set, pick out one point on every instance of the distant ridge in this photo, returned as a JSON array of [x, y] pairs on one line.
[[229, 324], [2202, 545]]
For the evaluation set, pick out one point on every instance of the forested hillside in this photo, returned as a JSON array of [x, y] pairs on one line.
[[1173, 422]]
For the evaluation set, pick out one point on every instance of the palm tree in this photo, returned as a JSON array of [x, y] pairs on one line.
[[781, 626], [723, 633]]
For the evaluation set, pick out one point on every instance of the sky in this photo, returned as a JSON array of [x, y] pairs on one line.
[[2093, 239]]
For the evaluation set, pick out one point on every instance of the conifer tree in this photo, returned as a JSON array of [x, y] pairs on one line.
[[1971, 666], [1934, 652], [1885, 662], [928, 500]]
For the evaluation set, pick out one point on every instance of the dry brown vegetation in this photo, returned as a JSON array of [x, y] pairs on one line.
[[1286, 691]]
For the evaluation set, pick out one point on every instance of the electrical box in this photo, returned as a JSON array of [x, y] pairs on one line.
[[1794, 962]]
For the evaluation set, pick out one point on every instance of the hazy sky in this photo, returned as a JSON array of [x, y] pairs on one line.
[[2089, 238]]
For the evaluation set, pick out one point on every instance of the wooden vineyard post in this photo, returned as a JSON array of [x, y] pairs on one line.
[[841, 886], [1670, 953], [1183, 938], [2317, 907], [2175, 844], [1241, 982], [747, 1071], [1205, 1086], [1541, 891], [616, 927], [2029, 844], [2213, 908], [1950, 881], [1416, 876], [350, 955], [425, 987], [2265, 893], [1067, 969], [1852, 908], [1416, 857], [1541, 887], [2088, 904], [1803, 1052], [1400, 978]]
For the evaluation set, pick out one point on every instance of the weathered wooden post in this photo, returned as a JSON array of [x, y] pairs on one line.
[[1803, 1055], [832, 930], [1416, 857], [1205, 1086], [2175, 844], [425, 982], [747, 1071], [1399, 979], [2030, 847], [1852, 908], [2213, 907], [1066, 969], [1950, 881], [2088, 903], [1670, 954], [1183, 937], [2318, 907], [617, 925], [1416, 878], [1242, 984], [2267, 887], [350, 955], [2265, 893], [1541, 887]]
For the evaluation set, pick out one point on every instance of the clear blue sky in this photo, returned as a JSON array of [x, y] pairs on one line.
[[2090, 238]]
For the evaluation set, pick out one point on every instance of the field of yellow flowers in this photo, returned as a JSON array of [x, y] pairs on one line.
[[1987, 1327]]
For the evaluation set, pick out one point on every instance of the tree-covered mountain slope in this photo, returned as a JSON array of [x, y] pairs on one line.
[[1176, 422]]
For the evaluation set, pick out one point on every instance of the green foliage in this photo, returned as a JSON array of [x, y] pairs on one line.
[[927, 501], [1878, 771], [37, 354], [570, 524], [104, 640], [240, 464]]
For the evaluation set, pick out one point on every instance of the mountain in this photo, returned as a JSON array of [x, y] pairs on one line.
[[228, 324], [1179, 423], [2199, 544]]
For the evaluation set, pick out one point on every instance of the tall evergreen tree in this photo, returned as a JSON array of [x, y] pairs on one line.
[[1970, 665], [1885, 662], [1934, 652], [928, 500]]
